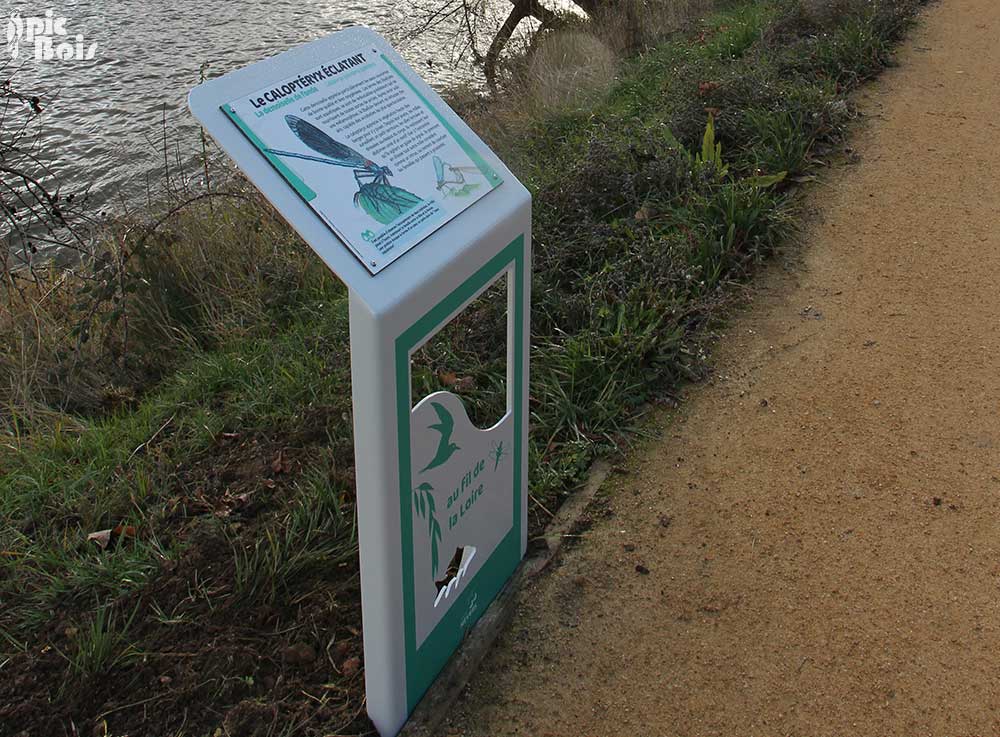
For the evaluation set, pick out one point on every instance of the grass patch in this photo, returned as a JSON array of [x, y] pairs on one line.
[[100, 645], [315, 533], [193, 387]]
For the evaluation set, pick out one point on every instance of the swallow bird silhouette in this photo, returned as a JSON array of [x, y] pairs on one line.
[[446, 448]]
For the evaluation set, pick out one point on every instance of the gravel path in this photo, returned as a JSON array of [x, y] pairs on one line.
[[821, 523]]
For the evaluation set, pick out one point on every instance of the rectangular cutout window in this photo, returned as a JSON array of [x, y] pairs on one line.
[[469, 356]]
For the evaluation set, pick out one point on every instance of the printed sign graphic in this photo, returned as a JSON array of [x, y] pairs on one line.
[[380, 165], [462, 505], [462, 488], [366, 162]]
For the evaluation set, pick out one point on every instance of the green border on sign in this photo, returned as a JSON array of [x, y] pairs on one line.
[[423, 664]]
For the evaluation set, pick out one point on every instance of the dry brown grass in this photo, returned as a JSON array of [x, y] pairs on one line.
[[823, 13], [82, 338], [568, 69], [634, 25], [42, 364]]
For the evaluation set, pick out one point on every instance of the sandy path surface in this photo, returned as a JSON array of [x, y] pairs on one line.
[[828, 560]]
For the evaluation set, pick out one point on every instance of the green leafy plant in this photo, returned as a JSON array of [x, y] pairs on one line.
[[710, 156]]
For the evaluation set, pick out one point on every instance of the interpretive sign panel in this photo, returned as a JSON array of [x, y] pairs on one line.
[[370, 166], [400, 170]]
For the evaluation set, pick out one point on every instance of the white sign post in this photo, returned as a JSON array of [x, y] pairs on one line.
[[418, 217]]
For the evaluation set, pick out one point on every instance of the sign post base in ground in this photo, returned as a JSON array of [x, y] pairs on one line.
[[419, 218]]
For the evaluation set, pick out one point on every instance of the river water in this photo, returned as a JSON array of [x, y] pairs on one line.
[[105, 119]]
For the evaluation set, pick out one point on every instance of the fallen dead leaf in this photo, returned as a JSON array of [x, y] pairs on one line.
[[299, 653], [101, 538], [279, 464], [465, 384], [340, 649], [105, 539], [350, 667]]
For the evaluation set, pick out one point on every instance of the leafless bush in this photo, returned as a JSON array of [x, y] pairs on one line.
[[825, 13], [37, 219]]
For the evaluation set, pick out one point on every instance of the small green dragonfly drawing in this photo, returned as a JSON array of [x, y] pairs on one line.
[[498, 453], [451, 179]]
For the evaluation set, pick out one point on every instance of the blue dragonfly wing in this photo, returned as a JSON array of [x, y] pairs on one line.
[[439, 170], [320, 142]]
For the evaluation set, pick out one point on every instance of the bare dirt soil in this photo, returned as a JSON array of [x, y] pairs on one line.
[[813, 548], [196, 655]]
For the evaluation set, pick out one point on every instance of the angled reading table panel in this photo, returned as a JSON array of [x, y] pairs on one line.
[[389, 289]]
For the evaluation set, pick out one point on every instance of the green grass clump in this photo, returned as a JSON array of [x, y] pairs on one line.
[[200, 398], [101, 644], [314, 534]]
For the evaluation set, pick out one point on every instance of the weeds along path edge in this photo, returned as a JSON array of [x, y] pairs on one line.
[[811, 549]]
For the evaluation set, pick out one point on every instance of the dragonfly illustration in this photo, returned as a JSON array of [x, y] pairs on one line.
[[375, 195], [451, 179], [498, 452]]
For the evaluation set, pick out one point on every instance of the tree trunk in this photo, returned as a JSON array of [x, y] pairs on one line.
[[522, 9]]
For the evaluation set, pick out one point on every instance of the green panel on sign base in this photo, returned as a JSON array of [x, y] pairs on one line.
[[423, 663]]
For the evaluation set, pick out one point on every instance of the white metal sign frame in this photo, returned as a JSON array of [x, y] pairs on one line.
[[429, 483]]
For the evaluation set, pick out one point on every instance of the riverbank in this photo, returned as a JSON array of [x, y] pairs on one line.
[[206, 429]]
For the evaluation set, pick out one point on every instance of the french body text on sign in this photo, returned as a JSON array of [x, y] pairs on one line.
[[379, 164]]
